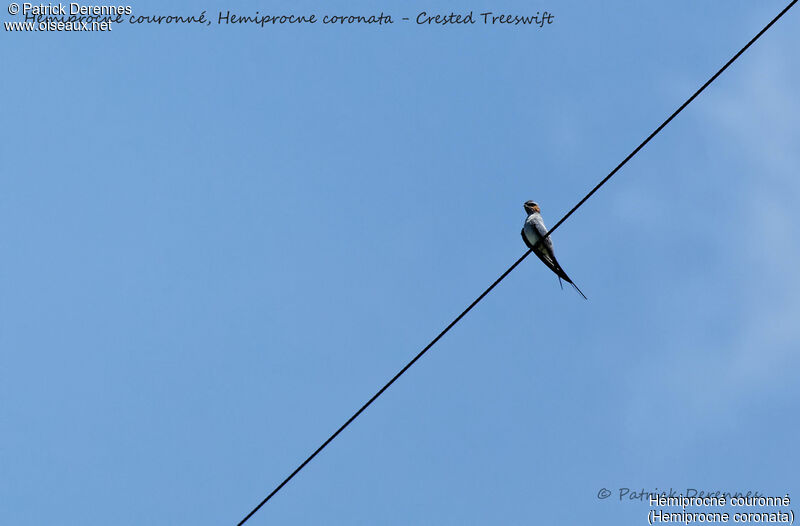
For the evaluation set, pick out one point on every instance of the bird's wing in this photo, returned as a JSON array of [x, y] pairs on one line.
[[545, 253], [538, 224]]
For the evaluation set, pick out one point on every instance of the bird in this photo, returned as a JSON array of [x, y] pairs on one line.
[[533, 231]]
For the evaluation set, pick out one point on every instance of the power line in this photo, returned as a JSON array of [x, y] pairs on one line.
[[385, 387], [512, 267], [663, 124]]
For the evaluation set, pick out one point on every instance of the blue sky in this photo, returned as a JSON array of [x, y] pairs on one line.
[[219, 242]]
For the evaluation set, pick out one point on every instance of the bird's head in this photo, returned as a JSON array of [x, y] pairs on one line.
[[531, 207]]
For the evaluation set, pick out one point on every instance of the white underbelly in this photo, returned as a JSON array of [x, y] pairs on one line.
[[531, 234]]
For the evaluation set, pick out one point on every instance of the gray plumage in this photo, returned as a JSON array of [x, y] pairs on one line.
[[533, 231]]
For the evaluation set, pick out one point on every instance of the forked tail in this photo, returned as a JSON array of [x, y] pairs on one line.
[[579, 290], [563, 275]]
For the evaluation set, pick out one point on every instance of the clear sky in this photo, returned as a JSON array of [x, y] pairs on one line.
[[218, 242]]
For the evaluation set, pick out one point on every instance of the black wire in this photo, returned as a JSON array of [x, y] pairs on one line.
[[385, 387], [512, 267], [663, 124]]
